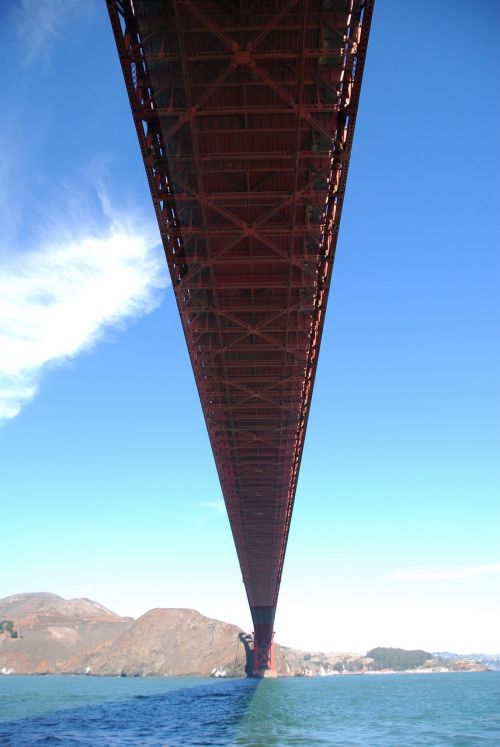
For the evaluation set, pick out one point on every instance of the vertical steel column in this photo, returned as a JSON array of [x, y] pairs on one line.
[[264, 664]]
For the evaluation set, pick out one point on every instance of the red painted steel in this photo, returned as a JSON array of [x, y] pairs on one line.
[[263, 653], [245, 113]]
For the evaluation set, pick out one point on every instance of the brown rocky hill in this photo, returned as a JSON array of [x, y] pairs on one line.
[[22, 605], [43, 633], [49, 629], [56, 635], [170, 642]]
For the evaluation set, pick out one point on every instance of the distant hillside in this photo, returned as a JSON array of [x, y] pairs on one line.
[[50, 629], [43, 633], [21, 605], [397, 658], [169, 642], [55, 635], [491, 661]]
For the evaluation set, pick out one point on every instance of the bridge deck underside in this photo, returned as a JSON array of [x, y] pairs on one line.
[[245, 114]]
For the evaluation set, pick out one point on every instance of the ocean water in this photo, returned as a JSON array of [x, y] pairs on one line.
[[459, 709]]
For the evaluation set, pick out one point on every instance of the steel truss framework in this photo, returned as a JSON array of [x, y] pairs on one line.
[[245, 113]]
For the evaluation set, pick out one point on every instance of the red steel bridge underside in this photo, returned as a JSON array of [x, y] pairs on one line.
[[245, 113]]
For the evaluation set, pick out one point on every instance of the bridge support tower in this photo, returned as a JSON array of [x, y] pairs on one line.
[[264, 663]]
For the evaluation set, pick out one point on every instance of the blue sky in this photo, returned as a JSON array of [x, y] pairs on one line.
[[107, 482]]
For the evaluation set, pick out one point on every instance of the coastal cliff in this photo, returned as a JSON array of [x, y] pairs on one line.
[[42, 633]]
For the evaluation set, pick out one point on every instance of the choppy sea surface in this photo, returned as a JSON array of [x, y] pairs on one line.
[[459, 709]]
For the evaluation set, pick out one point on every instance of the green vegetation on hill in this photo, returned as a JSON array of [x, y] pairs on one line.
[[397, 658], [7, 626]]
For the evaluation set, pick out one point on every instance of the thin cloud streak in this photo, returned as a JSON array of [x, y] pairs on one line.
[[447, 574], [59, 299], [213, 508], [38, 24]]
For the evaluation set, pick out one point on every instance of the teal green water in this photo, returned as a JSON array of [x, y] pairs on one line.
[[459, 709]]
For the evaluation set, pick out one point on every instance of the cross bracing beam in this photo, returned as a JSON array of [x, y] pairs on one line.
[[245, 114]]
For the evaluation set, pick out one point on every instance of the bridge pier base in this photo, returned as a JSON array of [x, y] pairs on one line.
[[264, 664]]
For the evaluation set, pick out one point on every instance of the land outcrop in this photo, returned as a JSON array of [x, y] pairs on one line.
[[42, 633], [51, 630]]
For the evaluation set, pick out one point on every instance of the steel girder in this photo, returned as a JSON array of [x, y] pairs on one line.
[[245, 113]]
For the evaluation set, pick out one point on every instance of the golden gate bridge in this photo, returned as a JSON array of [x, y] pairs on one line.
[[245, 113]]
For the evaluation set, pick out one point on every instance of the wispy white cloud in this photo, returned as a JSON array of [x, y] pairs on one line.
[[445, 574], [89, 273], [72, 267], [39, 22], [213, 508]]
